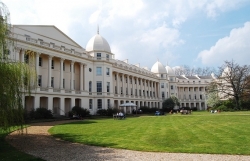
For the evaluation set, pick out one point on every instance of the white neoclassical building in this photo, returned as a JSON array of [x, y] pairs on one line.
[[69, 75]]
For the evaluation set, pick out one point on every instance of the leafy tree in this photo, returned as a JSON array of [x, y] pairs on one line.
[[233, 82], [170, 103], [213, 99], [15, 78]]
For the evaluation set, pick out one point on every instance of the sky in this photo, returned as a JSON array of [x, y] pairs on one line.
[[196, 33]]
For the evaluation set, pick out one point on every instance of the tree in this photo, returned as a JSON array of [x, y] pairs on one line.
[[170, 103], [232, 82], [188, 71], [213, 99], [15, 78]]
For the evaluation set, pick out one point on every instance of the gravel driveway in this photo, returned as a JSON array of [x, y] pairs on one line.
[[38, 142]]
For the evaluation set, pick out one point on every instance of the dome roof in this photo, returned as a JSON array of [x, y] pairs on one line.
[[170, 71], [97, 42], [226, 72], [158, 68]]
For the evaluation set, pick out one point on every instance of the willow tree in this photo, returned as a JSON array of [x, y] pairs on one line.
[[15, 77]]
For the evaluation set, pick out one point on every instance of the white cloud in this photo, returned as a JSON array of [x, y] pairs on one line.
[[236, 46], [161, 36]]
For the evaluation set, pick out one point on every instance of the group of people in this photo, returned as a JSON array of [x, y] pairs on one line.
[[119, 115]]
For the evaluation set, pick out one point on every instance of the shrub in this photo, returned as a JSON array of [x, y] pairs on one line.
[[222, 108], [41, 113], [79, 111]]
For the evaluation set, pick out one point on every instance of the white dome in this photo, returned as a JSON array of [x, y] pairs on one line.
[[158, 68], [226, 72], [170, 71], [98, 43]]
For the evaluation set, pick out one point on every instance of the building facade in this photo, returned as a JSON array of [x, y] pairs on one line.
[[69, 75]]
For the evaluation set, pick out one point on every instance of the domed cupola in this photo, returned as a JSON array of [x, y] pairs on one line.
[[226, 72], [158, 68], [98, 43], [170, 71]]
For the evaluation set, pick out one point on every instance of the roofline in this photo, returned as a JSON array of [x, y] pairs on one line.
[[49, 26]]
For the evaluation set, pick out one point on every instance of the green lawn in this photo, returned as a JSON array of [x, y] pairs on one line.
[[9, 153], [201, 132]]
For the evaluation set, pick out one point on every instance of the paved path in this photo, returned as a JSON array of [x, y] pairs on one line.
[[38, 142]]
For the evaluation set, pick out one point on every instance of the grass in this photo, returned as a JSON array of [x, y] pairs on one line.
[[201, 132], [9, 153]]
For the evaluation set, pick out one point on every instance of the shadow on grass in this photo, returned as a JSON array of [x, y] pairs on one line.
[[78, 139], [9, 153]]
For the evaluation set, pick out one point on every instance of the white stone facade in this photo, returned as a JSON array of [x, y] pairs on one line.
[[68, 75]]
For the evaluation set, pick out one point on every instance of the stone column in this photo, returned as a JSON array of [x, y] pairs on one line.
[[118, 83], [61, 73], [37, 66], [37, 102], [50, 103], [81, 77], [133, 85], [22, 55], [72, 75], [49, 71], [62, 106], [72, 103]]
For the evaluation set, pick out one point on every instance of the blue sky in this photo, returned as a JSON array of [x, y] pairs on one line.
[[197, 33]]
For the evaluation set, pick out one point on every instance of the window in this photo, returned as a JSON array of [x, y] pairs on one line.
[[108, 87], [163, 95], [98, 70], [143, 93], [139, 92], [52, 81], [189, 96], [99, 103], [115, 89], [201, 97], [131, 91], [107, 72], [63, 66], [139, 82], [135, 81], [39, 80], [121, 90], [115, 77], [126, 91], [99, 56], [161, 75], [90, 86], [172, 87], [107, 56], [90, 70], [108, 103], [98, 86], [63, 83], [40, 61], [130, 80], [171, 79], [200, 88], [52, 64], [126, 79], [90, 103], [121, 78], [195, 96], [162, 85]]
